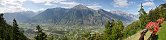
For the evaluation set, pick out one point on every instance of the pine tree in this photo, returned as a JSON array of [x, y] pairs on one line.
[[4, 29], [40, 35], [17, 34], [15, 30], [8, 32], [2, 26], [143, 17]]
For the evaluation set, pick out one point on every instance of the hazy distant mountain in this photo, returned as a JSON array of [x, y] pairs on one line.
[[124, 16], [79, 15], [19, 16]]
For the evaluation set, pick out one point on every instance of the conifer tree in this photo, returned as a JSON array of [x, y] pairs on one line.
[[18, 35], [143, 17], [15, 30], [8, 32], [40, 35], [4, 29], [2, 26]]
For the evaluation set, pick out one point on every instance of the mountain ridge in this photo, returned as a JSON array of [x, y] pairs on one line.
[[78, 15]]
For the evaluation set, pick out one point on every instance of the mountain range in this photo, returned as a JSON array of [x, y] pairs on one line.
[[77, 15]]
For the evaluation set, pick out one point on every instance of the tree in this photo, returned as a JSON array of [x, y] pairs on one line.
[[40, 35], [107, 31], [113, 30], [144, 19], [2, 27], [17, 34], [119, 29], [5, 29], [8, 32], [15, 30]]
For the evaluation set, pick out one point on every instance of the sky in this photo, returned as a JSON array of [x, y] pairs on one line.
[[130, 6]]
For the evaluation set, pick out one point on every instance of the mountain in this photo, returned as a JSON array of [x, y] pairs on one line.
[[20, 16], [127, 17], [78, 15]]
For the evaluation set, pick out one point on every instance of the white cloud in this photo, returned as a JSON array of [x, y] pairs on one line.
[[11, 6], [65, 3], [121, 3], [41, 9], [68, 4], [148, 0], [47, 2], [42, 1], [107, 10], [17, 5], [2, 10], [148, 4], [94, 6]]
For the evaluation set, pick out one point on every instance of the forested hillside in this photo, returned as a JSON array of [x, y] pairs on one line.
[[8, 32]]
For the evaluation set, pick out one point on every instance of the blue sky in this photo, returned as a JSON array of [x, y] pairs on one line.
[[130, 6]]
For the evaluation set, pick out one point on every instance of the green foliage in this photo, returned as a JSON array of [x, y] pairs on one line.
[[117, 31], [155, 14], [93, 36], [51, 37], [17, 34], [107, 31], [162, 32], [131, 29], [97, 36], [40, 35], [137, 25], [87, 36], [144, 19], [158, 12], [113, 30], [8, 32]]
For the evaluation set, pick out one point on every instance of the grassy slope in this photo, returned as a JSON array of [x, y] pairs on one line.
[[161, 34], [137, 35]]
